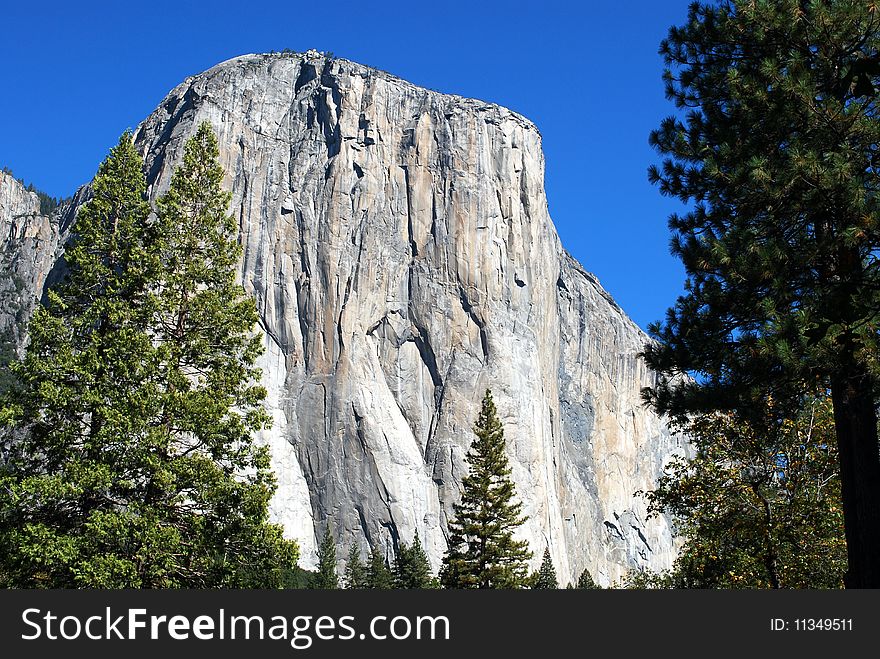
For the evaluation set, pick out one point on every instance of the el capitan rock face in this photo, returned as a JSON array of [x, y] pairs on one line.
[[398, 244]]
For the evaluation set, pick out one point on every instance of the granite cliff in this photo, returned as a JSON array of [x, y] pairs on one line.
[[30, 243], [399, 248]]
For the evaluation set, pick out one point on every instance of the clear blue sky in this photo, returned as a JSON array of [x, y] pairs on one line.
[[76, 74]]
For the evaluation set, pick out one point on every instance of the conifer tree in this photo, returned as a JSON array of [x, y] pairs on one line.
[[411, 567], [56, 481], [211, 402], [482, 552], [136, 401], [326, 577], [378, 574], [778, 152], [585, 581], [355, 576], [545, 579]]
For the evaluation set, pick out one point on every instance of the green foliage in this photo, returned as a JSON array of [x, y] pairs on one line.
[[355, 576], [297, 578], [585, 582], [378, 574], [136, 401], [777, 151], [48, 203], [648, 580], [545, 577], [755, 511], [326, 578], [482, 552], [7, 357], [412, 568]]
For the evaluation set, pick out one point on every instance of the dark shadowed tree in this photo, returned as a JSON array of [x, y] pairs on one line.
[[545, 578], [777, 149], [412, 568], [585, 581], [326, 577], [355, 575], [378, 574]]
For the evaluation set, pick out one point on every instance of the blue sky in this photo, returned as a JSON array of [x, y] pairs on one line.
[[76, 74]]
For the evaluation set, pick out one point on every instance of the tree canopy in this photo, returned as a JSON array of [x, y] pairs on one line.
[[355, 575], [776, 149], [131, 461], [412, 568], [585, 581], [379, 576], [756, 511]]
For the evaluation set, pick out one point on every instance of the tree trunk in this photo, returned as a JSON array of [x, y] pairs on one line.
[[771, 559], [855, 420]]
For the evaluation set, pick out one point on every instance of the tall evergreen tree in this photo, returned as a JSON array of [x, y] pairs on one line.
[[378, 575], [778, 152], [135, 402], [211, 401], [56, 483], [412, 569], [326, 578], [355, 576], [482, 551], [545, 579]]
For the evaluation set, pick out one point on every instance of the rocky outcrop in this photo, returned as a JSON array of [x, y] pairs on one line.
[[30, 243], [398, 244]]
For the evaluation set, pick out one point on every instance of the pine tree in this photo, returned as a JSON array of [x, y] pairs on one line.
[[778, 153], [412, 568], [482, 552], [378, 574], [545, 579], [355, 576], [135, 403], [326, 578], [585, 581]]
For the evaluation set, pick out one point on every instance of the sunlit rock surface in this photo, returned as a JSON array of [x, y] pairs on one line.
[[398, 244]]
